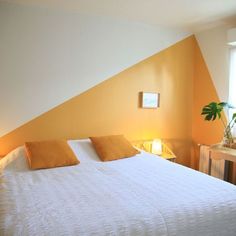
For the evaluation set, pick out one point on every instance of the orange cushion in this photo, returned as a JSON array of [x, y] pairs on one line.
[[113, 147], [49, 154]]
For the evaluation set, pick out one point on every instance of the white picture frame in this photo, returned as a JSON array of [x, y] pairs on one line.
[[150, 100]]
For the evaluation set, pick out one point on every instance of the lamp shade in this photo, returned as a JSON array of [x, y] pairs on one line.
[[157, 146]]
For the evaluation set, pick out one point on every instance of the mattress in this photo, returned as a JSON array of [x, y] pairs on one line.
[[137, 196]]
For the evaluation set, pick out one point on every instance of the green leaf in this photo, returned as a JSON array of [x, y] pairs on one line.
[[213, 104], [214, 116], [213, 110], [223, 104], [234, 117], [208, 117], [205, 112], [206, 109]]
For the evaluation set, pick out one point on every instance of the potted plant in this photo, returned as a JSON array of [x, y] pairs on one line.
[[213, 111]]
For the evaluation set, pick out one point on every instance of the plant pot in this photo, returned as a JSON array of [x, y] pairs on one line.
[[229, 142]]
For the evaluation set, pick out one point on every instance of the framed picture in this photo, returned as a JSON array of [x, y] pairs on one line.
[[150, 100]]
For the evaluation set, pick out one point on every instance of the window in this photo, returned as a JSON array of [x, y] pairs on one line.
[[232, 83]]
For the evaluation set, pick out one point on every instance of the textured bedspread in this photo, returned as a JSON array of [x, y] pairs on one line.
[[142, 195]]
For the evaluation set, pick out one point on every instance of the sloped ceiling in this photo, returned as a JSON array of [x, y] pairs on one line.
[[52, 50], [192, 15], [49, 56]]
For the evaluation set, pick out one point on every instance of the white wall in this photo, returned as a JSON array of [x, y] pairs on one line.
[[49, 56], [231, 36], [213, 44]]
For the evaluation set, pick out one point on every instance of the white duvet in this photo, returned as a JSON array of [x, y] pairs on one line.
[[141, 195]]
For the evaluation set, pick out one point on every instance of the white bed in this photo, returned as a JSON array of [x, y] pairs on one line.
[[141, 195]]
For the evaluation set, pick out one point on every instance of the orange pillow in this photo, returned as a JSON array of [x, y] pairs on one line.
[[49, 154], [113, 147]]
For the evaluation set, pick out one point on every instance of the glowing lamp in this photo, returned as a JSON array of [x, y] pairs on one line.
[[157, 147]]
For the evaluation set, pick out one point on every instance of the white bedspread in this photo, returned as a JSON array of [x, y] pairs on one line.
[[142, 195]]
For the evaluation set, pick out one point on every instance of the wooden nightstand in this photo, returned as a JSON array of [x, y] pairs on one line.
[[147, 146], [167, 153], [169, 157]]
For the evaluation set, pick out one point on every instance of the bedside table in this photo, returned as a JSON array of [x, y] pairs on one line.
[[169, 157], [146, 145]]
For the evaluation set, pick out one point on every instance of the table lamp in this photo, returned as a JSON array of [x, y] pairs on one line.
[[157, 146]]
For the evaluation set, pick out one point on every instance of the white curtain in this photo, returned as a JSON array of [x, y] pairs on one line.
[[232, 84]]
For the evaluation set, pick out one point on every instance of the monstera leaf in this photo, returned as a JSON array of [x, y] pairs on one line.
[[213, 110]]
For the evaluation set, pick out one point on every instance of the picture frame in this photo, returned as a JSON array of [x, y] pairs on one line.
[[150, 100]]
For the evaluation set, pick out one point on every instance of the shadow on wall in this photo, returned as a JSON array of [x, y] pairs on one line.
[[182, 150]]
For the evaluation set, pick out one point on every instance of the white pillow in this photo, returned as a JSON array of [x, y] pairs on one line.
[[14, 161], [84, 150]]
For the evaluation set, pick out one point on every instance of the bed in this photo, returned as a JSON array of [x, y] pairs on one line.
[[141, 195]]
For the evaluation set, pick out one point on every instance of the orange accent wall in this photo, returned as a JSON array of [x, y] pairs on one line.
[[204, 132], [178, 73], [112, 106], [204, 92]]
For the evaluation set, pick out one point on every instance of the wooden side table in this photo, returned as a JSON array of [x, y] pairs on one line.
[[217, 152], [167, 153]]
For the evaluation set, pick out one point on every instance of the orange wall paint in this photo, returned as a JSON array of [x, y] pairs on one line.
[[204, 132], [204, 92], [178, 73], [112, 106]]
